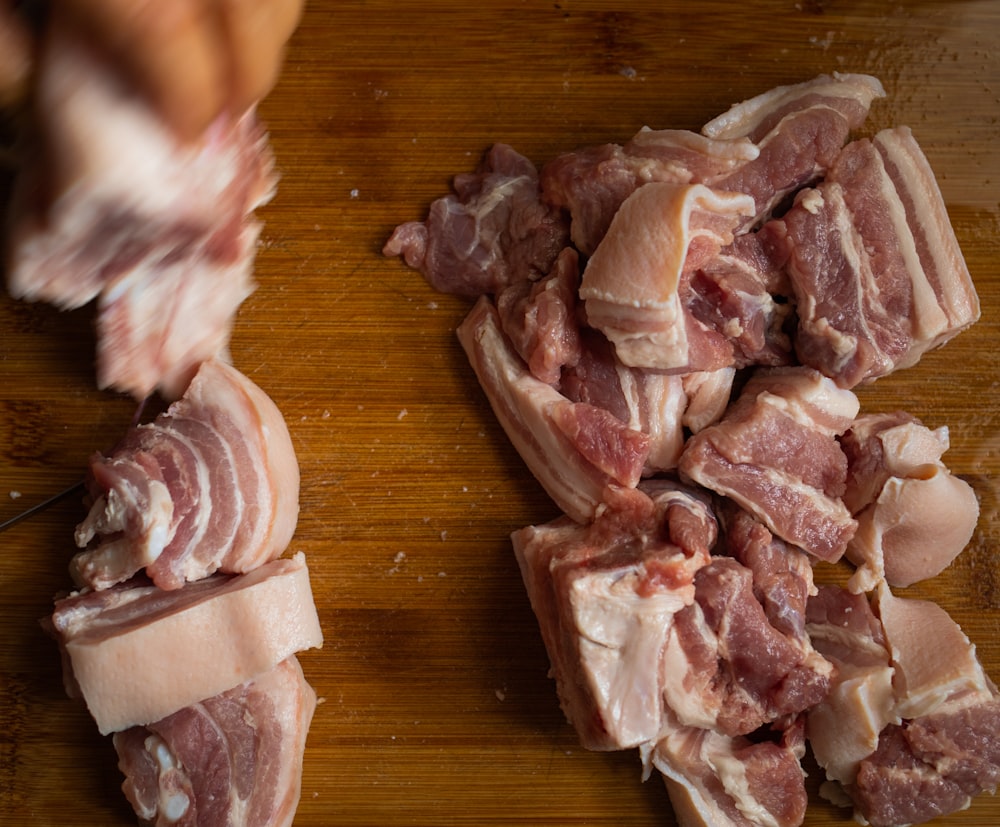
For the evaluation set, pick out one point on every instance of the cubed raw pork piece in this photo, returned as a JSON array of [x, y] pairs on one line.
[[737, 657], [930, 724], [914, 516], [112, 206], [775, 452], [582, 455], [233, 760], [605, 595], [798, 131], [636, 286], [210, 485], [137, 654], [715, 780], [491, 231], [878, 276], [592, 183]]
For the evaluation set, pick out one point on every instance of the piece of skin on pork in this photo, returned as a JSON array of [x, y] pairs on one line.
[[232, 760], [583, 456], [775, 453], [634, 286], [604, 595], [210, 485], [136, 653], [112, 206], [914, 516]]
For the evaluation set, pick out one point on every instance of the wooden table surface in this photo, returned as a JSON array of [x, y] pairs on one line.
[[436, 707]]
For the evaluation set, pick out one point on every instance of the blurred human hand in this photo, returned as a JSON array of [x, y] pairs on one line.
[[195, 59]]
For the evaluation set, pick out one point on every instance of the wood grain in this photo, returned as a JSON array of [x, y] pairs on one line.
[[436, 705]]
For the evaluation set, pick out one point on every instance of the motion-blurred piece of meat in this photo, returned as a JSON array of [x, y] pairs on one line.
[[110, 205]]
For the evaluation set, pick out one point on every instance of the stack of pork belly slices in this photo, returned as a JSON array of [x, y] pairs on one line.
[[670, 332], [182, 638]]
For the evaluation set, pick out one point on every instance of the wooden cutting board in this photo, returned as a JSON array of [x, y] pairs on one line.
[[436, 707]]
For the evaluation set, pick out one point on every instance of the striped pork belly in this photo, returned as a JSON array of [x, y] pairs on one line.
[[605, 595], [592, 183], [232, 760], [490, 231], [877, 272], [136, 653], [775, 453], [111, 206], [636, 285], [210, 485], [798, 131], [582, 455]]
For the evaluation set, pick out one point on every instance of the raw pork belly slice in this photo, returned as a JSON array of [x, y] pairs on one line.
[[211, 484], [605, 595], [231, 760], [136, 653], [117, 209], [877, 271], [491, 231], [744, 295], [775, 453], [635, 288], [717, 781], [798, 131], [914, 516], [539, 318], [592, 183], [934, 721], [650, 402], [582, 455], [728, 667]]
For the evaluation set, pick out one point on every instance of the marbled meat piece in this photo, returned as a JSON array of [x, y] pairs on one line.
[[137, 654], [605, 595], [947, 713], [636, 286], [210, 485], [491, 231], [878, 276], [582, 455], [798, 131], [715, 780], [592, 183], [914, 516], [540, 318], [232, 760], [775, 452], [732, 663], [111, 206], [651, 402]]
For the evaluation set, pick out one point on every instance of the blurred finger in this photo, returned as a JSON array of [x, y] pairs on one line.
[[172, 49], [257, 31]]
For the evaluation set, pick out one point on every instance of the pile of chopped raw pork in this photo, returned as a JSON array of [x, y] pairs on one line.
[[669, 331], [182, 635]]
